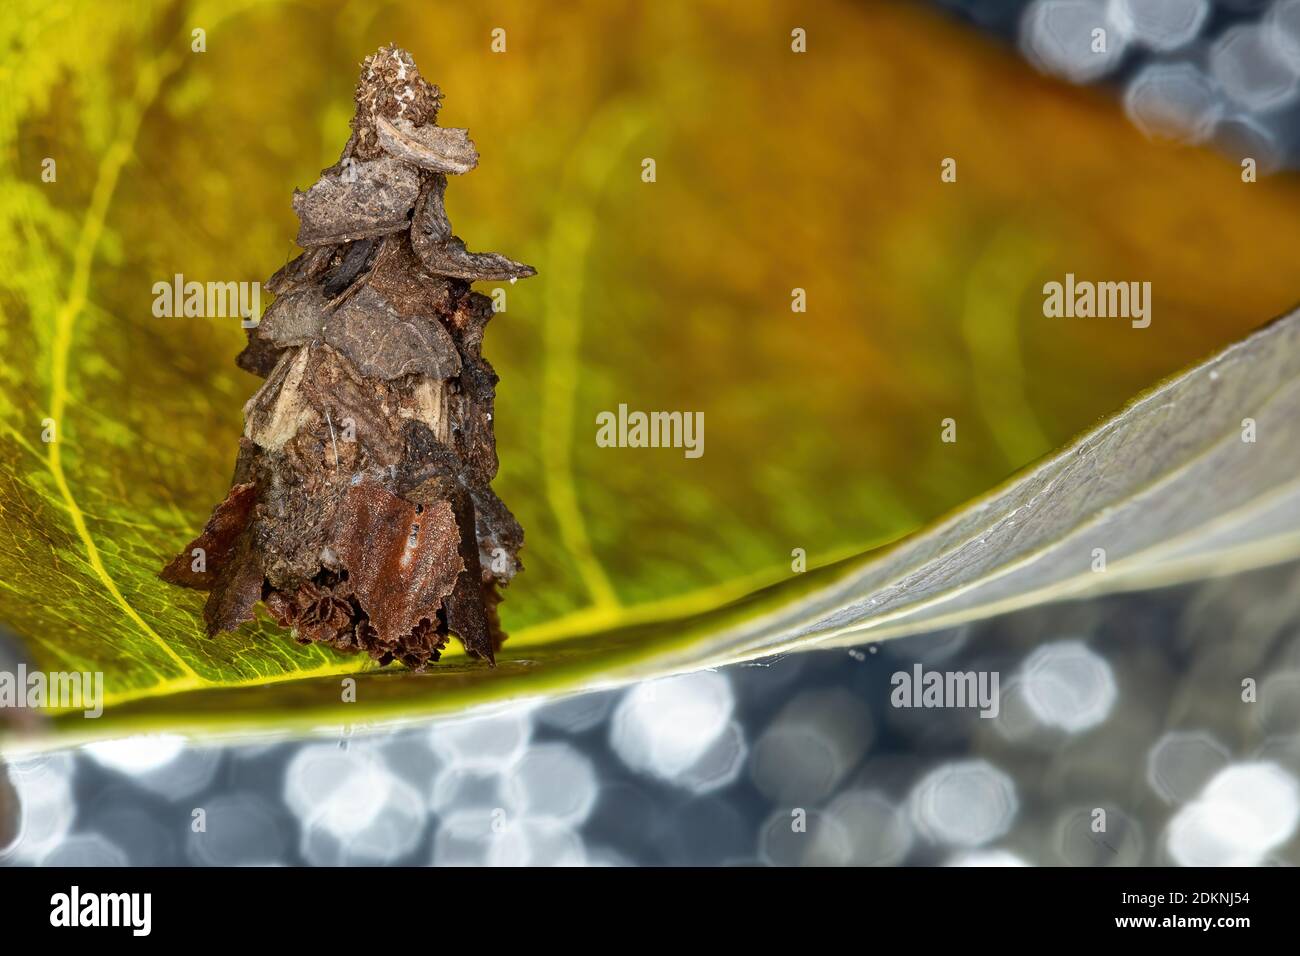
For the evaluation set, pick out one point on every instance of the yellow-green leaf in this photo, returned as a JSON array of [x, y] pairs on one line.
[[774, 172]]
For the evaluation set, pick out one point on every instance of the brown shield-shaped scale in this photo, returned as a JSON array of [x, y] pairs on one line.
[[383, 344], [402, 558], [443, 149], [219, 540], [293, 319], [237, 589], [466, 615], [363, 199]]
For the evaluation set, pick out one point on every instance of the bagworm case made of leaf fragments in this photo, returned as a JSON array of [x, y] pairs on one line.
[[361, 512]]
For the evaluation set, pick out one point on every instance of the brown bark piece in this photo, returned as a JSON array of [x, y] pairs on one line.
[[363, 199], [219, 540], [293, 319], [383, 344], [439, 148], [380, 539], [237, 590]]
